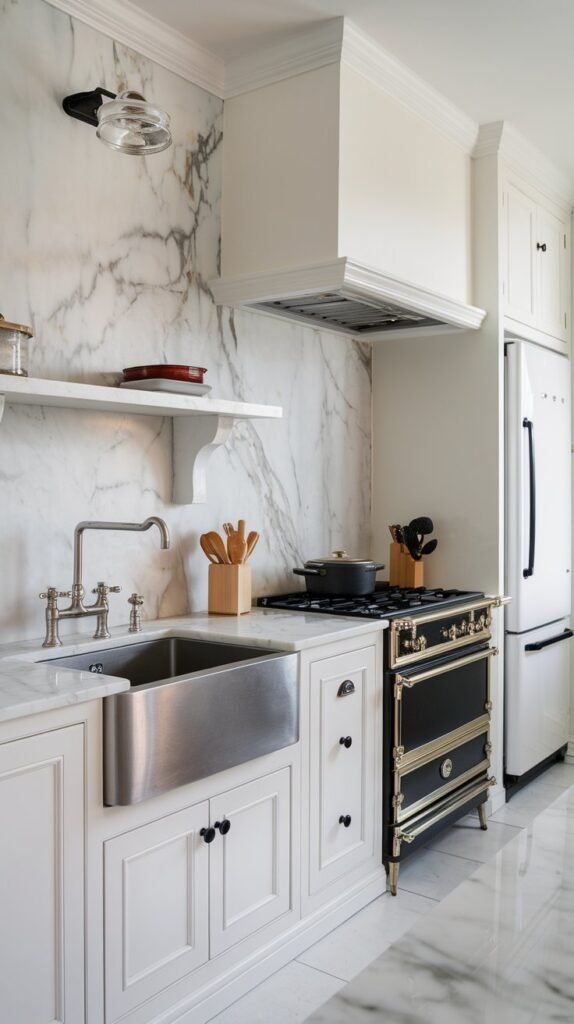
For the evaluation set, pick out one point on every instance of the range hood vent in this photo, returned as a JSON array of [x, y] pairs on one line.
[[350, 298]]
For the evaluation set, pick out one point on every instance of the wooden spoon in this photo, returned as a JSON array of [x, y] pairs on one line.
[[207, 549], [217, 546], [252, 539]]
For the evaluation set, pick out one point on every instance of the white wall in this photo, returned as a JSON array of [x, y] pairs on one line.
[[109, 257], [405, 197]]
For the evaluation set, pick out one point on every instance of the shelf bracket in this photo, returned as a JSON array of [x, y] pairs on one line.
[[2, 406], [195, 439]]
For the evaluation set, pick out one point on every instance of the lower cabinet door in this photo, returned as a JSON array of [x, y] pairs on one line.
[[250, 865], [156, 907], [42, 878], [343, 719]]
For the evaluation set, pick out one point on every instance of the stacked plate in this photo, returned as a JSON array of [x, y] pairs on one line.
[[172, 377]]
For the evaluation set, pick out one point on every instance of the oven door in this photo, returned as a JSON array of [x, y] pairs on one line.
[[439, 720]]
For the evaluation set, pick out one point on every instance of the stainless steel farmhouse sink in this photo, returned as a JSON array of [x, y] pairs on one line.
[[194, 708]]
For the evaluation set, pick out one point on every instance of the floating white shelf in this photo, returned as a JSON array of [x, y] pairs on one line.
[[194, 441]]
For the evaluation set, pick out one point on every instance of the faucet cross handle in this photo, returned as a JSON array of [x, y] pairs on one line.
[[103, 589], [52, 594]]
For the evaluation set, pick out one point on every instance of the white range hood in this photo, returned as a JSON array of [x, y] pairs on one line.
[[343, 207], [348, 297]]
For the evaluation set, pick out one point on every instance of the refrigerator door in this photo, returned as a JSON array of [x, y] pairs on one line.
[[537, 695], [538, 488]]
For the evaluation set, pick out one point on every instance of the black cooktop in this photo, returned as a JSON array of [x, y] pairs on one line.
[[386, 602]]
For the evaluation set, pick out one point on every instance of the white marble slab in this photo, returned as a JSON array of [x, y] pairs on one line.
[[29, 684], [498, 950], [109, 258]]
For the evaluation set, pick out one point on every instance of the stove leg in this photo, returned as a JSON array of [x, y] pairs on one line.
[[482, 817], [393, 877]]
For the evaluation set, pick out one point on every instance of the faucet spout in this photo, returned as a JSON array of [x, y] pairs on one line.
[[162, 527]]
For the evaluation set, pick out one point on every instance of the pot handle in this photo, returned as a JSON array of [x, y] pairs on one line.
[[310, 572], [379, 566]]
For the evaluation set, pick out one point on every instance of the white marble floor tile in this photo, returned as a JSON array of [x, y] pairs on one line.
[[560, 775], [526, 804], [434, 874], [357, 942], [288, 997], [466, 839]]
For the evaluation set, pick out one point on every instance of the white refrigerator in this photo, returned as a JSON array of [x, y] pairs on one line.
[[538, 555]]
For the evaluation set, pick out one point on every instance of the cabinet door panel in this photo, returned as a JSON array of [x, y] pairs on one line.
[[553, 284], [250, 865], [341, 777], [156, 907], [41, 879], [520, 284]]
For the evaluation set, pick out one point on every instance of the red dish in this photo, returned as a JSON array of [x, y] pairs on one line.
[[166, 371]]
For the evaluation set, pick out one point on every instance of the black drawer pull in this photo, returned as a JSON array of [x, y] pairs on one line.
[[539, 645], [346, 741], [345, 820], [541, 246], [223, 826], [208, 834]]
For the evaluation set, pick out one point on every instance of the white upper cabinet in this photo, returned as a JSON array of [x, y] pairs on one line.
[[535, 264]]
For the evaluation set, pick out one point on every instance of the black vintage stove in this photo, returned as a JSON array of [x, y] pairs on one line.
[[386, 602], [436, 705]]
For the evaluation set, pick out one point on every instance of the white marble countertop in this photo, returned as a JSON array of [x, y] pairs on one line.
[[498, 950], [29, 684]]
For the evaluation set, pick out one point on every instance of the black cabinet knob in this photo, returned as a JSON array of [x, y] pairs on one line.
[[345, 820], [541, 246], [208, 834], [346, 741], [223, 826]]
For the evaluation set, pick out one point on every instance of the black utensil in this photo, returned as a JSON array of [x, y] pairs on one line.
[[429, 547], [412, 542], [422, 524]]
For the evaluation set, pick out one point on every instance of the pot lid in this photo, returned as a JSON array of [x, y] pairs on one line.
[[8, 326], [340, 558]]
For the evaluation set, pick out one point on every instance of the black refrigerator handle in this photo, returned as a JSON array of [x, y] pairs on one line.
[[529, 426], [540, 644]]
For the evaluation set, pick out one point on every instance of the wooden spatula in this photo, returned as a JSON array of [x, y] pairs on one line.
[[236, 548], [207, 549], [217, 546]]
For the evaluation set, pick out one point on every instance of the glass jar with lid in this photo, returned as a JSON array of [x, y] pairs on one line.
[[14, 347]]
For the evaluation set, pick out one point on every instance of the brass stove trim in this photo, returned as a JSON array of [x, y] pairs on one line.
[[420, 649], [401, 815], [401, 836], [419, 756]]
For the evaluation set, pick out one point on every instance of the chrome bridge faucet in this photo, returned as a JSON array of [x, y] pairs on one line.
[[100, 608]]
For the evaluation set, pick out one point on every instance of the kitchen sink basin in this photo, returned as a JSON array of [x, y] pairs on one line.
[[194, 708]]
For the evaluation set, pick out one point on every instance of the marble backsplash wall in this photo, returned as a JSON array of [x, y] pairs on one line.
[[108, 257]]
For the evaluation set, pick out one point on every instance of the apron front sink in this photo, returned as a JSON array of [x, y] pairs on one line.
[[194, 708]]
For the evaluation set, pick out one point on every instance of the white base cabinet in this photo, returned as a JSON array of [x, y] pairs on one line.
[[182, 890], [42, 878], [192, 897]]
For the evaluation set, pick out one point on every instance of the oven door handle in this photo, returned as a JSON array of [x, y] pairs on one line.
[[448, 666], [539, 645]]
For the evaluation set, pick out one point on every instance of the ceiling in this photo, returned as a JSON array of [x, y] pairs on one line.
[[495, 59]]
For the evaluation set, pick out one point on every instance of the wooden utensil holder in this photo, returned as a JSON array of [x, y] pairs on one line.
[[404, 571], [229, 589]]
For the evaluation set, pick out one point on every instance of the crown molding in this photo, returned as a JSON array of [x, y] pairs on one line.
[[500, 138], [285, 56], [393, 77], [132, 27]]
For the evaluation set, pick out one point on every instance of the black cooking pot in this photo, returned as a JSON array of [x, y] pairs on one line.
[[340, 576]]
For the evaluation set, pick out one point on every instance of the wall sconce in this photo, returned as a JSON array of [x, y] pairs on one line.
[[126, 123]]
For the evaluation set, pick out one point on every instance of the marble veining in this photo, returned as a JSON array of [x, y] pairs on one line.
[[499, 949], [29, 684], [108, 258]]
